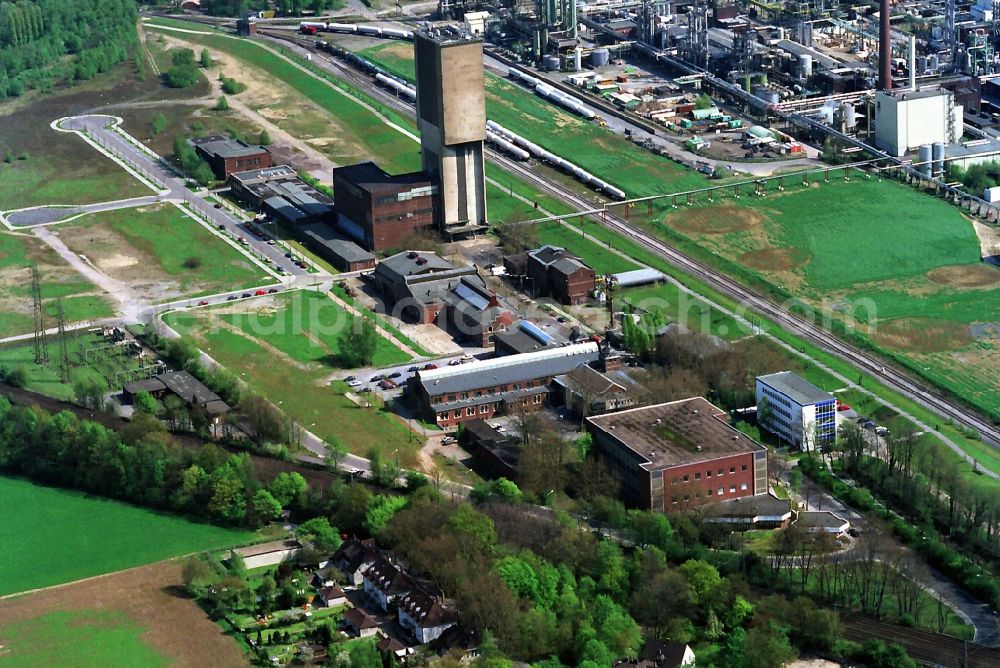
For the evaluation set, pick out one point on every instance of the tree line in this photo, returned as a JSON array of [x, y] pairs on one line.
[[45, 41]]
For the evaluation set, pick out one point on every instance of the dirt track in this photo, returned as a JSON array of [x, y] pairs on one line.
[[153, 597]]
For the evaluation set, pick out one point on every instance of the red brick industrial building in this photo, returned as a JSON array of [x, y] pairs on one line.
[[553, 271], [677, 455], [380, 210], [227, 156]]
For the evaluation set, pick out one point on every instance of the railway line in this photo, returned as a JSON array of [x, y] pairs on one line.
[[816, 335], [925, 646]]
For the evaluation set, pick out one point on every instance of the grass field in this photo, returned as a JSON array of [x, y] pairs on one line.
[[50, 536], [373, 138], [133, 618], [301, 390], [81, 300], [304, 325], [78, 639], [161, 252]]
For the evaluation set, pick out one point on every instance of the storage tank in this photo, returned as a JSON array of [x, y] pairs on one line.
[[850, 115], [758, 91], [577, 59], [805, 65], [600, 57], [551, 63], [937, 155], [772, 96], [924, 158]]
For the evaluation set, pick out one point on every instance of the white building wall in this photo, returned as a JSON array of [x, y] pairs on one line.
[[902, 124]]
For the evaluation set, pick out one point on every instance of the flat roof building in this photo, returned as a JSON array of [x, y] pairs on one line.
[[226, 156], [796, 411], [380, 210], [678, 455], [335, 248], [280, 192]]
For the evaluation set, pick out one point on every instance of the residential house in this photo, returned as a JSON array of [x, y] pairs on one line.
[[385, 582], [660, 654], [331, 596], [354, 557], [388, 645], [360, 622], [423, 616]]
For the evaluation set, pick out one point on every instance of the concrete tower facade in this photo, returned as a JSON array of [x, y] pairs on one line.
[[451, 117]]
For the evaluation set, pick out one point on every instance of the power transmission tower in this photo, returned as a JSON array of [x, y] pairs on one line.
[[41, 345], [63, 354]]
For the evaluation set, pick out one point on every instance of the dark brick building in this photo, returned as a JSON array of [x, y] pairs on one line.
[[677, 455], [227, 156], [553, 271], [380, 210]]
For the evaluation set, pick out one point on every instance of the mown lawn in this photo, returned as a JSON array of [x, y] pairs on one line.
[[302, 393], [306, 326], [78, 639], [49, 536]]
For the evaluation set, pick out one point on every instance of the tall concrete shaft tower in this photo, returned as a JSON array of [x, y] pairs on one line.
[[451, 117], [884, 48]]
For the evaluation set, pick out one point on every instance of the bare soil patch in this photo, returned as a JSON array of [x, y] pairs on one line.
[[922, 335], [966, 275], [152, 596], [715, 219], [774, 259]]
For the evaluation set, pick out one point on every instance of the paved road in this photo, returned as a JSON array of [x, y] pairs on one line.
[[104, 129], [45, 215]]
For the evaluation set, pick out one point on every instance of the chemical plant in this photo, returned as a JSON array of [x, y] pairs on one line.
[[915, 80]]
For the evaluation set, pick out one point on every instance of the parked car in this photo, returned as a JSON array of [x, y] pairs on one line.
[[222, 227], [454, 362], [231, 298], [203, 302], [354, 383], [448, 440], [271, 291], [245, 295], [413, 369], [366, 389], [395, 374], [270, 242], [350, 378], [260, 292], [466, 358], [375, 379], [429, 366], [302, 265]]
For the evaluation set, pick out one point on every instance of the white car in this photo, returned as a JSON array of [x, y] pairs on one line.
[[354, 383]]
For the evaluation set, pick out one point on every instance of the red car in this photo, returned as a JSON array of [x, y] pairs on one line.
[[428, 367], [203, 303], [260, 292]]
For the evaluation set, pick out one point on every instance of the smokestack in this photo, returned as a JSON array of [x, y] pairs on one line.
[[884, 48], [913, 63]]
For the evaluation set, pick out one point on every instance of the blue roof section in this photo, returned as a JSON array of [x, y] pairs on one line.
[[534, 332], [471, 296]]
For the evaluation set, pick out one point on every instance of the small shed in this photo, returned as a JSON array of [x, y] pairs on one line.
[[645, 276]]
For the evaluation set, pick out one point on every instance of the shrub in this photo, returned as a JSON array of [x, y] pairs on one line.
[[222, 104], [192, 262]]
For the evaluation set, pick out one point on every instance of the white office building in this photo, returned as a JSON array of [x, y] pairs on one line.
[[796, 411]]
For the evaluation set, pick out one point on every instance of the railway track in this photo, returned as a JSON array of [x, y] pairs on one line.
[[925, 646], [757, 302]]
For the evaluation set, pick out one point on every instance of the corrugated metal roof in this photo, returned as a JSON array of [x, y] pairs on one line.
[[639, 277], [507, 370], [471, 296]]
